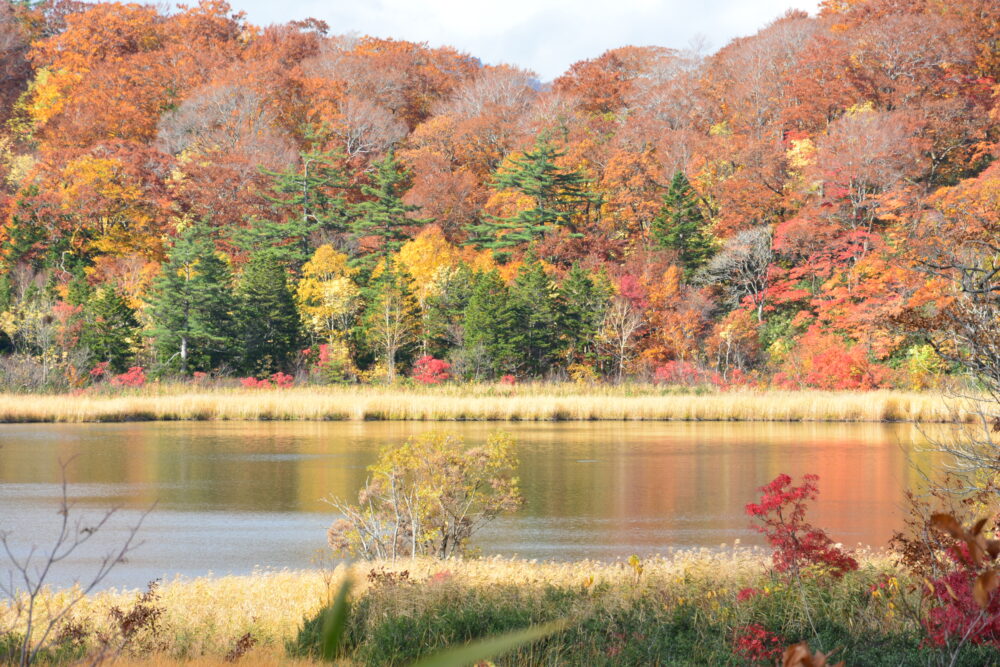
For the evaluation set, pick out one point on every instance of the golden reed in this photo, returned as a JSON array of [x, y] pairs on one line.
[[479, 403]]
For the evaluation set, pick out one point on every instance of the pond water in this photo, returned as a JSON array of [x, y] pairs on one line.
[[234, 497]]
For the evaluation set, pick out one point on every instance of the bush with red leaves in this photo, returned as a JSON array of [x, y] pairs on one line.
[[781, 515], [757, 644], [133, 377], [428, 370]]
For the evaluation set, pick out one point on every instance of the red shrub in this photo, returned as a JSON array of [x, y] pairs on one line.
[[508, 379], [100, 370], [756, 644], [279, 380], [133, 377], [955, 613], [428, 370], [781, 513], [687, 374]]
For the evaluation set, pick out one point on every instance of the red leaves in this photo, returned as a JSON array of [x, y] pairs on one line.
[[757, 644], [965, 606], [797, 544], [133, 377], [428, 370]]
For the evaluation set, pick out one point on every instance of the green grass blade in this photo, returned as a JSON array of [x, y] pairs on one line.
[[335, 622], [487, 648]]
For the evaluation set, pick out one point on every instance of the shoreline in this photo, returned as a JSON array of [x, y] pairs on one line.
[[487, 403]]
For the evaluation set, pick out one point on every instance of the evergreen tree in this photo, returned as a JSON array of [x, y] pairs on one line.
[[584, 300], [536, 302], [269, 325], [392, 316], [559, 195], [490, 347], [681, 225], [313, 197], [191, 304], [384, 215], [79, 291], [445, 310], [110, 328]]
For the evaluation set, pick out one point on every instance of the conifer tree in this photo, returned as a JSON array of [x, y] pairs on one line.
[[110, 328], [445, 310], [384, 215], [584, 300], [313, 197], [558, 195], [191, 305], [681, 225], [536, 302], [270, 329], [490, 327]]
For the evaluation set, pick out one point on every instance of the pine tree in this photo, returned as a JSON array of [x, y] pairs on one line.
[[536, 302], [490, 327], [559, 196], [313, 197], [584, 301], [445, 310], [270, 329], [191, 305], [681, 225], [384, 215], [110, 328], [392, 316]]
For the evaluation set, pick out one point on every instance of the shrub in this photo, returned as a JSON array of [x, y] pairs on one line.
[[685, 373], [133, 377], [428, 497], [797, 544], [428, 370]]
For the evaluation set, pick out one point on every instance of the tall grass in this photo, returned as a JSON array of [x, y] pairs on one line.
[[475, 403], [685, 608]]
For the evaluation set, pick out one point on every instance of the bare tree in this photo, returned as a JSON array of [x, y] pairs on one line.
[[623, 320], [741, 268], [29, 575]]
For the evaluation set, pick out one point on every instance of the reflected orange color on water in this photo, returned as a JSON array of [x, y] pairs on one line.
[[647, 486]]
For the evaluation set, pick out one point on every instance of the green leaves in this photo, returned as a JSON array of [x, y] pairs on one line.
[[485, 649], [336, 617]]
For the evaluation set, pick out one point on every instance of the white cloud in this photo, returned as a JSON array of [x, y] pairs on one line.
[[543, 35]]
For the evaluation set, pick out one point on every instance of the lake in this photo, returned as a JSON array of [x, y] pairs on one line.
[[232, 497]]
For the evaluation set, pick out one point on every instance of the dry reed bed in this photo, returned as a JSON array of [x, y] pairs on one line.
[[476, 404], [206, 616]]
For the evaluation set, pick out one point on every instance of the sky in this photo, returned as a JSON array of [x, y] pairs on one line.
[[545, 36]]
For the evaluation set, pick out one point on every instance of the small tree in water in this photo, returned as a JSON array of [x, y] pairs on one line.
[[427, 498]]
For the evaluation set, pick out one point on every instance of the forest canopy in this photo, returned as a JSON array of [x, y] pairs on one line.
[[183, 192]]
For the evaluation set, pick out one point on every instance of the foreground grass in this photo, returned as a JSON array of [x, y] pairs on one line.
[[476, 403], [684, 609]]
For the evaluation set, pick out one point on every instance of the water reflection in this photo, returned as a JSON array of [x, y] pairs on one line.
[[232, 496]]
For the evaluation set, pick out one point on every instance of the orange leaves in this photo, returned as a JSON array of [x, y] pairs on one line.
[[981, 551], [799, 655]]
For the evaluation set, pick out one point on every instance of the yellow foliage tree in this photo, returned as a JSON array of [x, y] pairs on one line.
[[326, 296]]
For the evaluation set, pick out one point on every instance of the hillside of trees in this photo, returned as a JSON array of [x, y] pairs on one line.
[[187, 193]]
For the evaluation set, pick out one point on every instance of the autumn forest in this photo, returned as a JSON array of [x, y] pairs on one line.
[[184, 193]]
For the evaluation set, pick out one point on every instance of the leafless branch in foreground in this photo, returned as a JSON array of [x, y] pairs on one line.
[[27, 576]]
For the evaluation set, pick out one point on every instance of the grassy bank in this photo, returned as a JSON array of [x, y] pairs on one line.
[[692, 608], [474, 402]]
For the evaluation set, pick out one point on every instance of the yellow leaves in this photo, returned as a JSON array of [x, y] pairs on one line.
[[801, 153], [425, 257], [326, 263], [45, 98], [326, 296]]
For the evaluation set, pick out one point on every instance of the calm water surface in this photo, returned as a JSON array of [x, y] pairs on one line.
[[232, 497]]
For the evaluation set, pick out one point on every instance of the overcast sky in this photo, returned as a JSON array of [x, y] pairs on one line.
[[542, 35]]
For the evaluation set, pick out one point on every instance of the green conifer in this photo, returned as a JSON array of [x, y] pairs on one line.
[[682, 226], [269, 324], [191, 305]]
